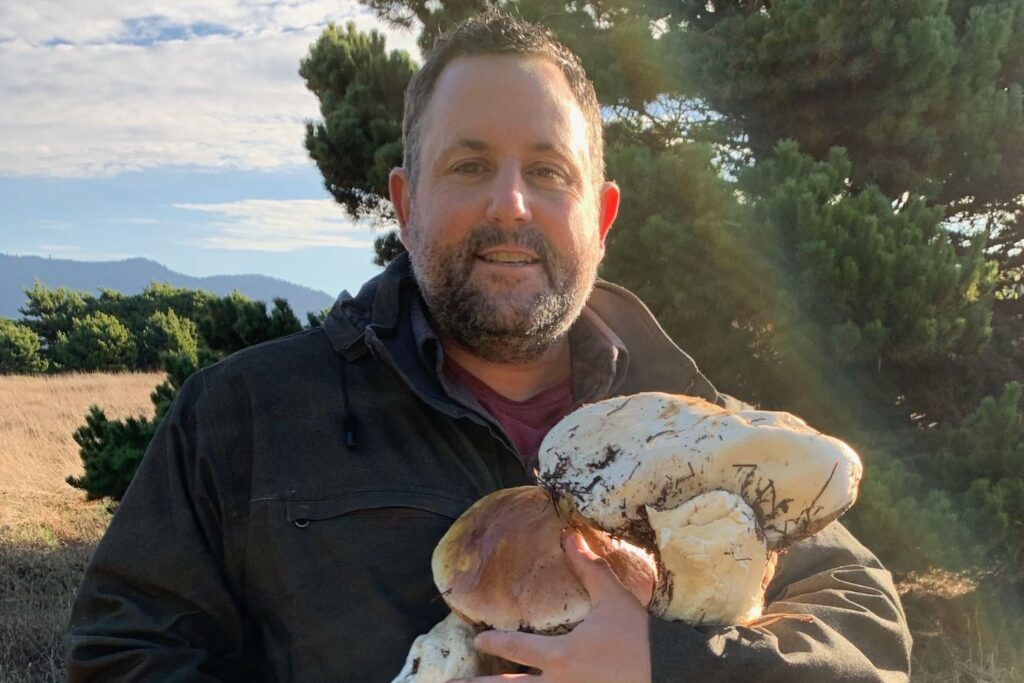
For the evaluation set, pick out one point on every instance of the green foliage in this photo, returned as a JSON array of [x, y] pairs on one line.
[[234, 322], [681, 245], [111, 451], [136, 311], [387, 247], [80, 331], [966, 511], [317, 319], [989, 444], [885, 283], [926, 95], [775, 287], [96, 342], [19, 349], [907, 523], [168, 333], [996, 511], [360, 87], [51, 312], [983, 461]]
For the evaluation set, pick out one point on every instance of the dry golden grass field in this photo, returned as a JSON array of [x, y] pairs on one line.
[[47, 532]]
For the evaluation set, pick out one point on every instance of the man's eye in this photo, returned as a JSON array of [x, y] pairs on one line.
[[548, 173], [470, 167]]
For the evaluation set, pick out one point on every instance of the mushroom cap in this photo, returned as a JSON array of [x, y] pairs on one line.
[[501, 565], [605, 462]]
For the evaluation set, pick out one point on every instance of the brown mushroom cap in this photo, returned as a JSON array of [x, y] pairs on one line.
[[501, 565]]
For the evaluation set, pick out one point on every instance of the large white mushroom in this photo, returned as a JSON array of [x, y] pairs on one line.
[[710, 490], [672, 490]]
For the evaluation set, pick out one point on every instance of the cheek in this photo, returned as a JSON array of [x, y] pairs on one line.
[[582, 234], [448, 218]]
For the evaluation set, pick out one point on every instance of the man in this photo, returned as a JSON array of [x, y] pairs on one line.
[[281, 524]]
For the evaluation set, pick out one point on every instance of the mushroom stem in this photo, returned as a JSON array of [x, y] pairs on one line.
[[446, 652], [712, 560]]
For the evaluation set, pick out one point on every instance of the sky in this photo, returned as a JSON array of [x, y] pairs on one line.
[[172, 130]]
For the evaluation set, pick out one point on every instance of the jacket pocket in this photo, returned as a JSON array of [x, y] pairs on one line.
[[406, 502], [353, 571]]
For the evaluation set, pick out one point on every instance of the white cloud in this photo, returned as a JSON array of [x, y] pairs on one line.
[[49, 224], [213, 99], [74, 253], [128, 221], [281, 225]]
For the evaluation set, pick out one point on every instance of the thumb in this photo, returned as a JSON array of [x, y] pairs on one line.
[[592, 570]]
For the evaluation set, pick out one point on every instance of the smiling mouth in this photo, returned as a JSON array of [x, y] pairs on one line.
[[513, 258]]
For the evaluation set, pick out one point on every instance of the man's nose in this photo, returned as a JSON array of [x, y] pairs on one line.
[[509, 203]]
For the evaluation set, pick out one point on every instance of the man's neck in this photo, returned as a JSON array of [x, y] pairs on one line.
[[516, 381]]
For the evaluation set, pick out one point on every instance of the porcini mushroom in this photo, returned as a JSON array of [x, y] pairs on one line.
[[501, 565], [624, 464], [671, 490]]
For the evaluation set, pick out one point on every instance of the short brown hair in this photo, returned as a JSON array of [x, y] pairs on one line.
[[494, 33]]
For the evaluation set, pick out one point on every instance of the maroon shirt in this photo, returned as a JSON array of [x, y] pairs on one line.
[[525, 422]]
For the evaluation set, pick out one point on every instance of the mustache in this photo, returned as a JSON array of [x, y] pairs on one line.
[[528, 237]]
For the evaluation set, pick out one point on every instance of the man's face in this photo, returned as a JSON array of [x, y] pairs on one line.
[[505, 225]]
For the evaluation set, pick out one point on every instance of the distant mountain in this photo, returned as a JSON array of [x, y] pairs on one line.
[[133, 275]]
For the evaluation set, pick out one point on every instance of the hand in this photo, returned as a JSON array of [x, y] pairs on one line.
[[609, 646]]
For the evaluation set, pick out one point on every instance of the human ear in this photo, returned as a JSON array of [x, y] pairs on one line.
[[398, 189], [608, 208]]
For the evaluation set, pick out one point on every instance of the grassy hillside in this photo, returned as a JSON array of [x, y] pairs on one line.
[[47, 531]]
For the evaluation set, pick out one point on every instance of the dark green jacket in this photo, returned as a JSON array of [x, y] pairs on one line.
[[254, 544]]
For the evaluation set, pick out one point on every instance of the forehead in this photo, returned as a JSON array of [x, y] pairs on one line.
[[509, 102]]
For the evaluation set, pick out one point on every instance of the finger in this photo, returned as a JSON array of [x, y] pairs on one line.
[[521, 648], [592, 570]]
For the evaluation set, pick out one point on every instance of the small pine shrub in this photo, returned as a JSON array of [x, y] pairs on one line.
[[19, 349], [167, 332], [111, 451], [98, 341]]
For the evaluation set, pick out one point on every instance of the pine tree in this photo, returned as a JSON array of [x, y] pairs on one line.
[[168, 333], [927, 97], [96, 342], [19, 349], [360, 87]]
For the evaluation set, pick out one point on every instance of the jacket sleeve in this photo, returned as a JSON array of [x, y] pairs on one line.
[[155, 604], [837, 618]]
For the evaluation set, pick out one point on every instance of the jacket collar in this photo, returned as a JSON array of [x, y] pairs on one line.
[[378, 305], [379, 316]]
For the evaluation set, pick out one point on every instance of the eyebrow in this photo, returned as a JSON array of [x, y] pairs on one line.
[[481, 146], [475, 145]]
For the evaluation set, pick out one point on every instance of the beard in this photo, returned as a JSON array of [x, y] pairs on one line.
[[505, 324]]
